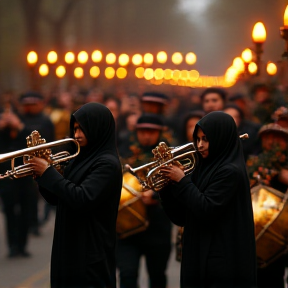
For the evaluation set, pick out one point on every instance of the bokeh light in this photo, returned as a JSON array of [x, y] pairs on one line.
[[60, 71], [52, 57], [44, 70], [32, 58], [94, 71]]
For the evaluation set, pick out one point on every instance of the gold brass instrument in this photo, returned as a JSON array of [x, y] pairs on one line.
[[37, 147], [184, 156], [149, 174]]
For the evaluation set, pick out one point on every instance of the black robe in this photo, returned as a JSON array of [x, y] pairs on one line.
[[87, 199], [214, 206]]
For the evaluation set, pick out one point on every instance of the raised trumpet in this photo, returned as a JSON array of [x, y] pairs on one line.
[[37, 147], [184, 156], [149, 175]]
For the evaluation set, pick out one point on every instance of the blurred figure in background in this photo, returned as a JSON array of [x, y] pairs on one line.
[[213, 99], [16, 194], [252, 145], [154, 243], [32, 106], [188, 124], [156, 103], [265, 100]]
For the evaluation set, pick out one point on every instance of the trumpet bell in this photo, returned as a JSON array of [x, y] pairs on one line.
[[150, 176]]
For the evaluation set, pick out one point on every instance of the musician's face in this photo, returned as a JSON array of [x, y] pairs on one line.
[[212, 102], [202, 143], [79, 135], [148, 137]]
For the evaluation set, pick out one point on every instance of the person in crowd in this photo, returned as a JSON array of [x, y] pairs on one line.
[[270, 168], [280, 116], [87, 197], [213, 99], [60, 114], [266, 100], [156, 103], [113, 104], [188, 124], [251, 145], [243, 102], [154, 243], [214, 206], [16, 194], [32, 114]]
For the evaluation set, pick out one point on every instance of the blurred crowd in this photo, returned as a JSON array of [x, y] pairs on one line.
[[143, 119]]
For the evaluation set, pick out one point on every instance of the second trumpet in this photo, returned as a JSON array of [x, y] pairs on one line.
[[149, 175]]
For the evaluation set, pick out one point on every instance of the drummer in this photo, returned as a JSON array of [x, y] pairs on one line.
[[271, 168], [155, 242]]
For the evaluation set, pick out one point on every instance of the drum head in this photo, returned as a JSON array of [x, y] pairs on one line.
[[270, 211]]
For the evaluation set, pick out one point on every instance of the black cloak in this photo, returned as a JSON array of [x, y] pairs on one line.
[[214, 206], [87, 199]]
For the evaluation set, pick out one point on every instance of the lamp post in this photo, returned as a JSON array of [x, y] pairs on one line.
[[259, 37], [284, 33]]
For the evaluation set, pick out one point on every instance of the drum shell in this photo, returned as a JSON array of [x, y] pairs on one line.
[[270, 211], [132, 216]]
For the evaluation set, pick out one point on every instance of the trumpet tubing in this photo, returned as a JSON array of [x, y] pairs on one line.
[[149, 175], [39, 149]]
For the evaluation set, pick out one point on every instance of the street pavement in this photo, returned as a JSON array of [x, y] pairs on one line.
[[33, 272]]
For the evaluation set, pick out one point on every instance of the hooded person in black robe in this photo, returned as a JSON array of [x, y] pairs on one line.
[[87, 199], [214, 206]]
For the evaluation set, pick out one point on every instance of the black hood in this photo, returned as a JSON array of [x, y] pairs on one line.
[[224, 145], [98, 125]]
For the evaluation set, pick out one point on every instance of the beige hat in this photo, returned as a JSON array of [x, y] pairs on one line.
[[273, 127]]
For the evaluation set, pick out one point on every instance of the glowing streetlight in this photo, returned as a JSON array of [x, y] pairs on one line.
[[78, 72], [123, 59], [96, 56], [83, 57], [247, 55], [161, 57], [69, 57], [44, 70], [139, 72], [190, 58], [252, 68], [94, 71], [177, 58], [121, 73], [271, 68], [109, 72], [284, 33], [148, 58], [52, 57], [238, 64], [60, 71], [32, 58], [137, 59], [148, 73], [110, 58], [259, 37]]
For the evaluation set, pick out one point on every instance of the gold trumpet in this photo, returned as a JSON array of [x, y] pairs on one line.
[[184, 156], [149, 175], [37, 147]]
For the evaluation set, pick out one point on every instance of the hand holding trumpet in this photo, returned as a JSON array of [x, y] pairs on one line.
[[38, 165], [173, 172]]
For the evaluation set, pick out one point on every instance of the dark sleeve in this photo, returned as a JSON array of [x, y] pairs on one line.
[[216, 196], [88, 194], [172, 207], [49, 197]]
